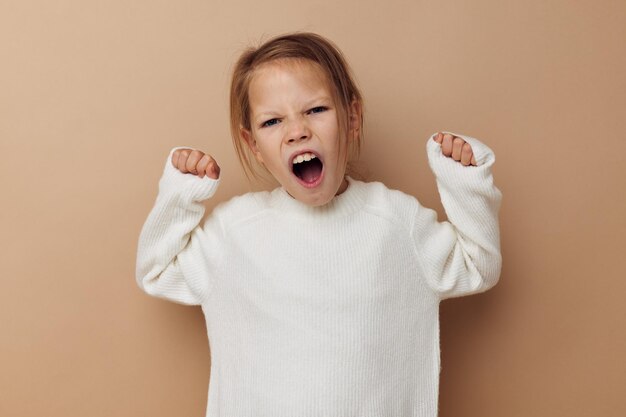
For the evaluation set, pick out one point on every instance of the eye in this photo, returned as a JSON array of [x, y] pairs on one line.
[[270, 122], [318, 109]]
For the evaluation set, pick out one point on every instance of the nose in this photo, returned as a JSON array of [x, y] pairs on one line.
[[297, 131]]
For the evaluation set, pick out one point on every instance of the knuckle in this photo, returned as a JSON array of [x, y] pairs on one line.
[[201, 163]]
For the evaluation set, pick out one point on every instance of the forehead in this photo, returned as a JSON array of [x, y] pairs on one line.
[[287, 75]]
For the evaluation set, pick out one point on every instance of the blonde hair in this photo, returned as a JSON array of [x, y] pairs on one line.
[[305, 46]]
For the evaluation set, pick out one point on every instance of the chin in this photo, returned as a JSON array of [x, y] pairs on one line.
[[314, 200]]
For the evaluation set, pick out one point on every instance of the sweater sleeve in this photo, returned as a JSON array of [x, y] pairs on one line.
[[176, 257], [460, 256]]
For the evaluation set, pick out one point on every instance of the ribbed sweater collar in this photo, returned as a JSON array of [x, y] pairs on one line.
[[348, 202]]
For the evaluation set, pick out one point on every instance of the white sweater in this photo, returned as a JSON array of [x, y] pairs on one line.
[[330, 311]]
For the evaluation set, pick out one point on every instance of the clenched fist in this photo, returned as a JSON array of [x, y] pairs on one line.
[[456, 148], [193, 161]]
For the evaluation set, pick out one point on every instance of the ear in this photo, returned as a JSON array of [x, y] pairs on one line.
[[248, 137], [355, 119]]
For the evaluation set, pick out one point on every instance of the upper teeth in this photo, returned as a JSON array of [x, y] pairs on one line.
[[303, 157]]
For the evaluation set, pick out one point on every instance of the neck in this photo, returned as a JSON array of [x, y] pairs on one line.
[[343, 186]]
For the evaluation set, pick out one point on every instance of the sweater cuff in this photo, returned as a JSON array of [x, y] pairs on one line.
[[190, 187], [445, 167]]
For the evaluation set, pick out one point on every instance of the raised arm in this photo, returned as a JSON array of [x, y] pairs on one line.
[[460, 256], [175, 255]]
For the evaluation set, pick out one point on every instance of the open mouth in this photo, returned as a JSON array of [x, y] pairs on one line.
[[308, 168]]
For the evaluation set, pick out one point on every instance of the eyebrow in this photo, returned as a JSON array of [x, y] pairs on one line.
[[309, 104]]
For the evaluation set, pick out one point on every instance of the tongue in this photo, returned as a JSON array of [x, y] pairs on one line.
[[310, 171]]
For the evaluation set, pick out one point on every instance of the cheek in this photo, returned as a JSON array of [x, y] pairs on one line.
[[268, 152], [268, 137]]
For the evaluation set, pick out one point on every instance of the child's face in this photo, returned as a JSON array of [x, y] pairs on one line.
[[293, 117]]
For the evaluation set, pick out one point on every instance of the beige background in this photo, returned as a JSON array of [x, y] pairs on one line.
[[93, 95]]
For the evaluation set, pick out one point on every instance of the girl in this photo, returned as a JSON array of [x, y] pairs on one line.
[[321, 297]]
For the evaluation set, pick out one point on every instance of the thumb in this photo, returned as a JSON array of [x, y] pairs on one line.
[[213, 170]]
